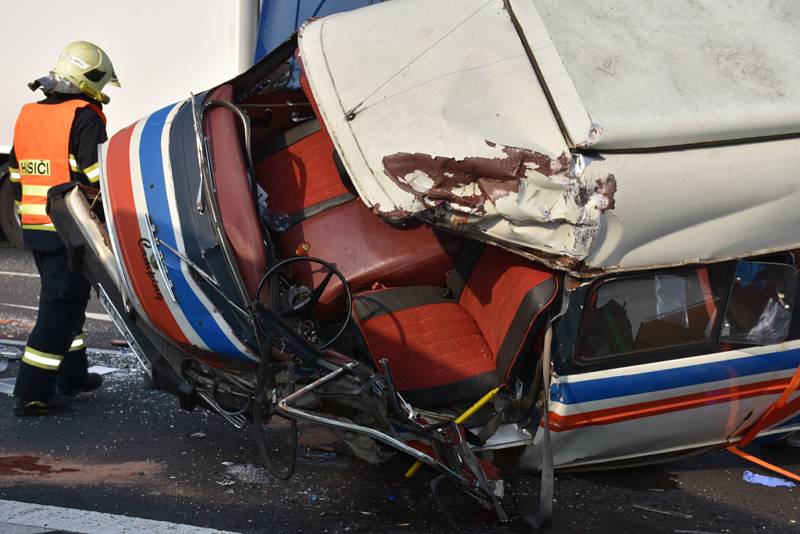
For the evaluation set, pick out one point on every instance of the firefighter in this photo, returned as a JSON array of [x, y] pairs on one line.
[[55, 141]]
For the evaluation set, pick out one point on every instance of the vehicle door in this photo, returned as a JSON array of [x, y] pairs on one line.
[[659, 362]]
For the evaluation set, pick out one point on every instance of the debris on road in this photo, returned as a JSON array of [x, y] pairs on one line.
[[7, 386], [319, 455], [102, 369], [665, 512], [247, 473], [198, 435], [763, 480], [8, 352]]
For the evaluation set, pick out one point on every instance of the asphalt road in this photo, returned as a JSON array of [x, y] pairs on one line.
[[129, 450]]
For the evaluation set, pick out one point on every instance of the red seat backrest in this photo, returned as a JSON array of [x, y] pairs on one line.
[[301, 175], [504, 294], [237, 206]]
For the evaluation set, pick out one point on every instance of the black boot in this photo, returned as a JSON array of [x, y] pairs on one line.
[[93, 381], [33, 408]]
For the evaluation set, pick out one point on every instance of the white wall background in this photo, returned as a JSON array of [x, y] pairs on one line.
[[161, 50]]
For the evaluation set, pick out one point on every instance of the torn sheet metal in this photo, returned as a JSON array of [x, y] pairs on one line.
[[467, 184], [521, 186]]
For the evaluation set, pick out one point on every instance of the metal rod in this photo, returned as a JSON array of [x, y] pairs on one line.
[[207, 186], [243, 118], [162, 268], [283, 406], [116, 318]]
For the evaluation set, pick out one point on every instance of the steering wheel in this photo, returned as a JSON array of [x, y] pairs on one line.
[[300, 301]]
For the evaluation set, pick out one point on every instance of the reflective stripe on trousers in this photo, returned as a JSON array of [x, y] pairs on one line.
[[50, 362], [42, 360]]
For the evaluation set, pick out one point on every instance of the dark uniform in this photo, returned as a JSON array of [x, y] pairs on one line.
[[55, 356]]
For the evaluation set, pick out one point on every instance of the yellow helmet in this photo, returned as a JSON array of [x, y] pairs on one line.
[[86, 66]]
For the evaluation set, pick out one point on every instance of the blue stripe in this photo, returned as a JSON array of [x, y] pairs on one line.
[[649, 382], [155, 193]]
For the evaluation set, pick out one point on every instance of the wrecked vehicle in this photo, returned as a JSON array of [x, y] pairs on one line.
[[474, 232]]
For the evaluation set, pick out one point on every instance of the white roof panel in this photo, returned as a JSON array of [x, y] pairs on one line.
[[663, 73]]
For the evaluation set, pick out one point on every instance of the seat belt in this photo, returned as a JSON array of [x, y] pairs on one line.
[[544, 515], [463, 267]]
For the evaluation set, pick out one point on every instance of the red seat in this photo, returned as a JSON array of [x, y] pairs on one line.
[[237, 207], [298, 170], [445, 348], [303, 174], [367, 251]]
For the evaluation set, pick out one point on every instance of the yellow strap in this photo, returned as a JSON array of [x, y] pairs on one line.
[[460, 419], [79, 343], [45, 227], [92, 172], [33, 209], [29, 190], [42, 360], [73, 164], [478, 405]]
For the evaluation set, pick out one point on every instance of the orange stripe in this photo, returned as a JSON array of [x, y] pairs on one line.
[[126, 223], [27, 199], [777, 411], [49, 181], [35, 219], [708, 294], [758, 461], [561, 423]]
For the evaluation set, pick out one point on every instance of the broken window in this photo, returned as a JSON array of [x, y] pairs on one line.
[[759, 310]]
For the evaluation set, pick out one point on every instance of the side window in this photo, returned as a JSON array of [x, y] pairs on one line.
[[759, 309], [651, 311]]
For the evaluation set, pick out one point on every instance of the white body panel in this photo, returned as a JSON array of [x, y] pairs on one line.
[[698, 205], [666, 407], [654, 73], [160, 50]]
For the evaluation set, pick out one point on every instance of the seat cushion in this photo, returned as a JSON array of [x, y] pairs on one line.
[[367, 250], [436, 352]]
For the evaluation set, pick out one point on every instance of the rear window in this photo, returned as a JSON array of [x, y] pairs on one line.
[[649, 312]]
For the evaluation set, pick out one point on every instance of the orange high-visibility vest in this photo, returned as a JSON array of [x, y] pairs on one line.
[[41, 146]]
